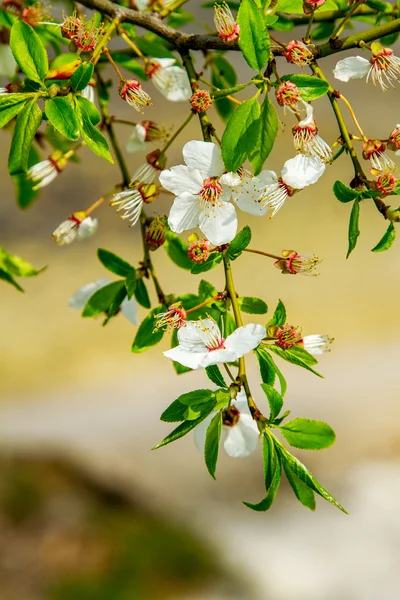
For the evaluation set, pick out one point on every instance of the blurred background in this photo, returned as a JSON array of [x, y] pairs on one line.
[[87, 511]]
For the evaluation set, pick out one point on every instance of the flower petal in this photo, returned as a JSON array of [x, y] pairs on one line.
[[181, 179], [204, 156], [219, 223], [309, 119], [268, 177], [241, 439], [353, 67], [87, 228], [189, 338], [216, 357], [130, 308], [164, 62], [137, 139], [79, 299], [185, 213], [192, 360], [247, 197], [175, 85], [244, 339], [230, 179], [300, 171]]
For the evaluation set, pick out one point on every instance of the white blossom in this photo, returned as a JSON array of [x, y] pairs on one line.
[[239, 434], [129, 308], [76, 227], [170, 79], [316, 344], [43, 173], [201, 344], [383, 67]]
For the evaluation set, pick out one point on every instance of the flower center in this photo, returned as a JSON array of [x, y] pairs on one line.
[[211, 190], [230, 416], [382, 60]]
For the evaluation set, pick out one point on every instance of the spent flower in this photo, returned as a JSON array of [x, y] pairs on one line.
[[227, 28], [77, 227], [132, 92], [173, 318], [293, 263], [307, 141]]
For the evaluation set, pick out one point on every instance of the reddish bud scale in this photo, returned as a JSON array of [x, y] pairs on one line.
[[201, 101]]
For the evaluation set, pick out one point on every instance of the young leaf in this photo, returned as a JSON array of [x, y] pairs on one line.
[[304, 474], [241, 133], [268, 130], [308, 434], [141, 293], [4, 276], [80, 79], [269, 370], [309, 86], [130, 283], [16, 265], [62, 116], [9, 111], [196, 397], [177, 249], [211, 446], [275, 400], [28, 51], [26, 126], [115, 304], [214, 374], [253, 306], [387, 240], [272, 475], [294, 357], [181, 430], [239, 243], [174, 413], [206, 290], [114, 263], [303, 493], [279, 316], [344, 193], [212, 261], [147, 335], [101, 300], [354, 230], [254, 40], [92, 136]]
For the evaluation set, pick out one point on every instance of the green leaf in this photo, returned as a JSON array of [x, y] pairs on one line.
[[293, 356], [254, 40], [279, 316], [223, 76], [275, 400], [253, 306], [240, 135], [310, 87], [141, 293], [308, 434], [387, 240], [196, 397], [272, 475], [147, 335], [175, 412], [92, 136], [268, 130], [354, 230], [82, 76], [303, 493], [101, 300], [4, 276], [10, 110], [28, 51], [323, 31], [62, 116], [89, 108], [211, 446], [130, 283], [206, 290], [16, 265], [177, 249], [24, 192], [212, 261], [344, 193], [26, 126], [239, 243], [115, 304], [181, 430], [214, 374], [114, 263], [304, 474], [269, 370]]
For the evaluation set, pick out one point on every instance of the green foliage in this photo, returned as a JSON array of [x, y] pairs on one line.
[[279, 316], [114, 263], [214, 374], [387, 240], [308, 434], [211, 447], [310, 87], [141, 293], [82, 76], [11, 105], [354, 229], [268, 127], [223, 76], [26, 126], [239, 243], [147, 335], [303, 493], [241, 134], [297, 356], [29, 51], [104, 298], [212, 261], [254, 39], [275, 401], [63, 118], [269, 370], [94, 139], [253, 306], [272, 475], [12, 266], [344, 193], [177, 249]]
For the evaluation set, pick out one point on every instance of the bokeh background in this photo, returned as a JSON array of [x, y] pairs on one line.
[[87, 511]]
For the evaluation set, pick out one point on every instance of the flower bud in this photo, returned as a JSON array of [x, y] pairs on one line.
[[156, 233], [78, 225], [199, 251], [201, 101], [47, 170]]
